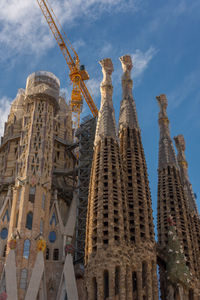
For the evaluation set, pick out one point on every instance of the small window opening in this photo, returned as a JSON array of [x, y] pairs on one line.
[[56, 254], [29, 220], [32, 194], [106, 284], [47, 253], [117, 276], [94, 286]]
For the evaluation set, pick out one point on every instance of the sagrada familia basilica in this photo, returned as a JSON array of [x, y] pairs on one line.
[[80, 226]]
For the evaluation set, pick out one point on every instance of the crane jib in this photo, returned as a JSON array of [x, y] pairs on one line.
[[77, 75]]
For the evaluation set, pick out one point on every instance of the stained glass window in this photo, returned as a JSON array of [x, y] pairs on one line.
[[4, 233], [53, 219], [52, 237]]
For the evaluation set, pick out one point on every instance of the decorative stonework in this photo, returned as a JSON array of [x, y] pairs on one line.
[[107, 234], [106, 118], [142, 251], [128, 115], [33, 146], [172, 201]]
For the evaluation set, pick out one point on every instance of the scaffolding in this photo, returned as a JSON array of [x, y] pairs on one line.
[[85, 135]]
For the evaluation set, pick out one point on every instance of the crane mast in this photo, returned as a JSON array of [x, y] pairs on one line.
[[77, 73]]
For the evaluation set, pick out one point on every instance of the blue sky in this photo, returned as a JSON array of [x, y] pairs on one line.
[[162, 37]]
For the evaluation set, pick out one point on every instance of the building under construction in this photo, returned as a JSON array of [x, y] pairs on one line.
[[81, 226]]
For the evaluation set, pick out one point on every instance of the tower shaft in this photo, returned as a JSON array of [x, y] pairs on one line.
[[142, 249], [171, 201], [106, 254]]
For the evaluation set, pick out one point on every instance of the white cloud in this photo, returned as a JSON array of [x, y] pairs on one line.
[[4, 111], [141, 60], [94, 87], [106, 49], [24, 28], [78, 44], [188, 87]]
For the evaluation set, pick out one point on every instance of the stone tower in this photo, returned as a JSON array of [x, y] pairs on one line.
[[142, 242], [173, 211], [35, 201], [194, 219], [106, 255]]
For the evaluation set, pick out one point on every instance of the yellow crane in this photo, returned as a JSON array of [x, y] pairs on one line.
[[77, 73]]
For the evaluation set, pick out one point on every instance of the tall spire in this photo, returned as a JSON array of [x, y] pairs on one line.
[[141, 229], [106, 126], [128, 115], [183, 165], [107, 233], [172, 202], [167, 154]]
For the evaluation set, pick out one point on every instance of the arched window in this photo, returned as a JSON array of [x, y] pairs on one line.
[[53, 219], [27, 244], [106, 284], [66, 298], [32, 194], [29, 220], [117, 276], [23, 279], [56, 254]]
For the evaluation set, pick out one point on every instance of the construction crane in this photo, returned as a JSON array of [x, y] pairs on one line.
[[77, 73]]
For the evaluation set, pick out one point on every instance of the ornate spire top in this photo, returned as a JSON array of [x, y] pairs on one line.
[[106, 126], [167, 154], [180, 145], [128, 115], [107, 69], [127, 82], [162, 101]]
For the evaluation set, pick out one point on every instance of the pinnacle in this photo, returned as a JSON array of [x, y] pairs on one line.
[[167, 154], [106, 126], [128, 114]]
